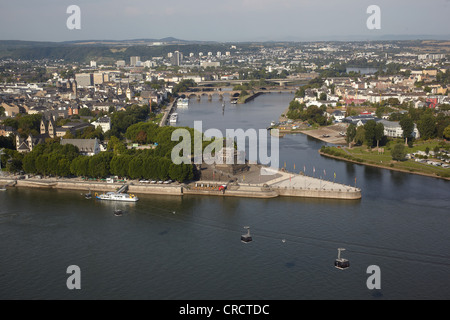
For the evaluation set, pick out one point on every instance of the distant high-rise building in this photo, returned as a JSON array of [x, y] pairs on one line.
[[200, 54], [177, 58], [191, 54], [209, 54], [170, 55], [214, 64], [93, 64], [120, 63], [98, 78], [134, 60], [219, 54], [84, 79], [149, 64], [228, 53]]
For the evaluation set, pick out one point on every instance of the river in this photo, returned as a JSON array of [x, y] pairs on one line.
[[169, 247]]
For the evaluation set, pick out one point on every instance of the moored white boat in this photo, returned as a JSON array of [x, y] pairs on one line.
[[173, 118], [183, 103], [114, 196]]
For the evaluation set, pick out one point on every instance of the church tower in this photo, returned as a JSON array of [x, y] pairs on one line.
[[74, 88], [129, 93], [43, 126], [51, 128]]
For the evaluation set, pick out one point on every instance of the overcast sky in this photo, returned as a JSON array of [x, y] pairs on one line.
[[220, 20]]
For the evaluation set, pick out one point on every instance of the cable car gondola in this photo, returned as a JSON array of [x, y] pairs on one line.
[[246, 238], [341, 263]]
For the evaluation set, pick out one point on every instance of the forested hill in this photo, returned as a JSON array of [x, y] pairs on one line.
[[100, 51]]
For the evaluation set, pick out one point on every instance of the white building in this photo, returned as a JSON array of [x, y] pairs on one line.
[[134, 60], [205, 64], [104, 123], [149, 64], [338, 115], [120, 63], [393, 129], [87, 147]]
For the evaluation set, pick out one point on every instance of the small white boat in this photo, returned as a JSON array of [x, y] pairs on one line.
[[173, 118], [114, 196], [183, 103]]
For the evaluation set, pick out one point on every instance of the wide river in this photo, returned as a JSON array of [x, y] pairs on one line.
[[170, 247]]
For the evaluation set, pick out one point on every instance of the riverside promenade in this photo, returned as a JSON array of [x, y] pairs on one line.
[[253, 185], [167, 112]]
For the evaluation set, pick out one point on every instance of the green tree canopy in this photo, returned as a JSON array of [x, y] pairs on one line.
[[447, 132], [360, 135], [427, 126], [184, 85], [379, 133], [407, 125], [369, 136], [398, 152], [351, 133]]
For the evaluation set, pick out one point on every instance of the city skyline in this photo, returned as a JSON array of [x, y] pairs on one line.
[[233, 20]]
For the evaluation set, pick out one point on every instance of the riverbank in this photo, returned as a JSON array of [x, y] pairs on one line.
[[383, 167], [330, 134], [279, 184]]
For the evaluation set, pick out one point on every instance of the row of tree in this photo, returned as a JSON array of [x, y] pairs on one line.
[[52, 158], [312, 114], [371, 134]]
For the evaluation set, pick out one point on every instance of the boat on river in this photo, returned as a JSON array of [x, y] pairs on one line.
[[114, 196], [183, 103]]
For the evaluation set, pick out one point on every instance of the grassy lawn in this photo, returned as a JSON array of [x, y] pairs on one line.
[[363, 155]]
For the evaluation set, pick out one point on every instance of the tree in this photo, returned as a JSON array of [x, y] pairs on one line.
[[99, 165], [301, 92], [323, 96], [398, 152], [427, 126], [360, 135], [447, 132], [135, 168], [379, 133], [442, 121], [2, 111], [85, 112], [407, 125], [141, 137], [184, 85], [369, 136], [120, 165], [7, 143], [80, 166], [351, 133]]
